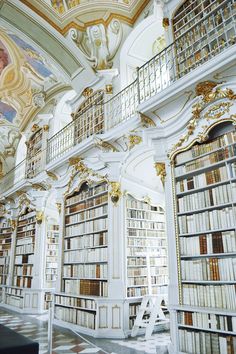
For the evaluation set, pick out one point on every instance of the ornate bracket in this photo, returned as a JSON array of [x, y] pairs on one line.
[[39, 217], [134, 140]]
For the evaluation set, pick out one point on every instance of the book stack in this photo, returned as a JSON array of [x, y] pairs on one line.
[[5, 249], [206, 215]]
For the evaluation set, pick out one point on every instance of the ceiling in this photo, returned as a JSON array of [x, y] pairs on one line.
[[79, 14]]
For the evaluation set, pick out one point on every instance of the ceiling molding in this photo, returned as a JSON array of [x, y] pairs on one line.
[[72, 24]]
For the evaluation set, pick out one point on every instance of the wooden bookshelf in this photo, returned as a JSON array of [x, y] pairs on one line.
[[85, 259], [5, 249], [202, 28], [206, 214], [146, 249], [24, 250]]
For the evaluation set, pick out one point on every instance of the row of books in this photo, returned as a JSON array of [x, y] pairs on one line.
[[135, 292], [86, 287], [143, 214], [78, 317], [93, 240], [202, 180], [25, 228], [154, 225], [90, 203], [24, 234], [217, 242], [86, 255], [195, 342], [5, 231], [26, 270], [146, 233], [207, 321], [86, 228], [22, 282], [3, 279], [23, 241], [158, 252], [29, 217], [87, 215], [134, 308], [85, 271], [209, 269], [219, 296], [212, 197], [209, 220], [220, 155], [4, 223], [132, 203], [25, 258], [142, 242], [24, 249], [157, 279], [73, 301], [83, 195]]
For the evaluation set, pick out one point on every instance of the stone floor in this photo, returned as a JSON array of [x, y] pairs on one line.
[[67, 342]]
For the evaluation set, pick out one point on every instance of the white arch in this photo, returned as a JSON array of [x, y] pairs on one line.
[[137, 48]]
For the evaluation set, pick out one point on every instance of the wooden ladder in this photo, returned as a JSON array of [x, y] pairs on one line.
[[151, 306]]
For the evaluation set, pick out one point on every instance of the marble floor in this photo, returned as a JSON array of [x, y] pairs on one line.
[[67, 342]]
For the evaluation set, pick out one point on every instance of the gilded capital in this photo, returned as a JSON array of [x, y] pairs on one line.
[[39, 217], [161, 171], [115, 192]]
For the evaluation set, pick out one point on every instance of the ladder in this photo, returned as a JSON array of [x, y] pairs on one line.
[[150, 306]]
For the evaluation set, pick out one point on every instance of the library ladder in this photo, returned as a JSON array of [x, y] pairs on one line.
[[150, 306]]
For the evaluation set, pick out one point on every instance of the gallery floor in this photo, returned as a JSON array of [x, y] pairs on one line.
[[66, 342]]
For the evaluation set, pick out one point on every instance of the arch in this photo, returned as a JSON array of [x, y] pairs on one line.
[[137, 48], [62, 114]]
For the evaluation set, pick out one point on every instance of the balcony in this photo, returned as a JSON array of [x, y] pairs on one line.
[[191, 50]]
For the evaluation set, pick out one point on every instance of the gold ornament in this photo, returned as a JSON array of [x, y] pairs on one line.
[[13, 224], [218, 110], [205, 89], [134, 140], [39, 217], [147, 122], [46, 127], [34, 128], [115, 192], [165, 23], [58, 205], [161, 171]]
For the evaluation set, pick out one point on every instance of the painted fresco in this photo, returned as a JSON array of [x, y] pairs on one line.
[[4, 57], [58, 5], [32, 56], [7, 112]]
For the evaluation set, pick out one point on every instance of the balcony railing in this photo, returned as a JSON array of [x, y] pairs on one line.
[[203, 41], [196, 46]]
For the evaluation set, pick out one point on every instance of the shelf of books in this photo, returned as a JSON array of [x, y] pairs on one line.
[[52, 253], [146, 252], [5, 249], [34, 154], [205, 180], [85, 259], [202, 28]]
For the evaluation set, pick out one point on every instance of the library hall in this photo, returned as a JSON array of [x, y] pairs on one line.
[[118, 176]]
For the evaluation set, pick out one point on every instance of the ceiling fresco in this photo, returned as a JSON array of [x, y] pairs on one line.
[[7, 112], [66, 14]]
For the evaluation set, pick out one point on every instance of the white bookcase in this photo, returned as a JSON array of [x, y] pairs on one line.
[[5, 249], [205, 182]]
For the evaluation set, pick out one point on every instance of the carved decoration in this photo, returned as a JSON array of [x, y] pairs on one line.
[[24, 202], [147, 122], [13, 224], [34, 128], [161, 171], [87, 92], [38, 99], [109, 89], [58, 205], [104, 145], [74, 160], [52, 175], [115, 192], [165, 23], [205, 89], [39, 217], [99, 43], [197, 109], [134, 140], [46, 127], [218, 110]]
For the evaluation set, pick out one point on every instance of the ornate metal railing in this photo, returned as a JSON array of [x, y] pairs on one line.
[[203, 41]]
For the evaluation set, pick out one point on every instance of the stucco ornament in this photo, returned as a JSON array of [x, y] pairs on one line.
[[99, 43]]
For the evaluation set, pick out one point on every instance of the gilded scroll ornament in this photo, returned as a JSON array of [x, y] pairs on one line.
[[205, 89], [218, 110], [39, 217], [134, 140], [161, 171], [147, 122]]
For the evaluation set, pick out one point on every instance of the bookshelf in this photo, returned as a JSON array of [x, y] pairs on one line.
[[24, 250], [5, 249], [202, 28], [52, 254], [206, 212], [146, 249], [34, 156], [85, 258]]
